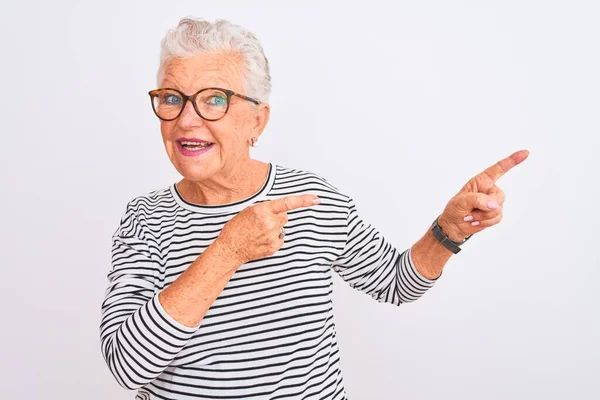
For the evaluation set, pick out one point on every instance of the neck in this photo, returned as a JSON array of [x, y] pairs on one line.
[[229, 186]]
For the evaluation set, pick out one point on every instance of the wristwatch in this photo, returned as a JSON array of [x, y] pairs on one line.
[[448, 243]]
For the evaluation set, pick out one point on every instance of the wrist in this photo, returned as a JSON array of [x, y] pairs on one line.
[[450, 230], [226, 253], [429, 256]]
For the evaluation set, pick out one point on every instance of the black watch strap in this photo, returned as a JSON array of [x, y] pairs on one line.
[[448, 243]]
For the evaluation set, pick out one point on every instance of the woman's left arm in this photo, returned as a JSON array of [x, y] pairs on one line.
[[477, 206]]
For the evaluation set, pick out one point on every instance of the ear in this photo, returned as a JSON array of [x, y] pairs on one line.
[[261, 118]]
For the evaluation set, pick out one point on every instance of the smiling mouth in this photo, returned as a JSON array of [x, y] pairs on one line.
[[195, 145]]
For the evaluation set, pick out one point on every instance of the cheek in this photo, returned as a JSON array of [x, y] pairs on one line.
[[166, 129], [243, 127], [229, 134]]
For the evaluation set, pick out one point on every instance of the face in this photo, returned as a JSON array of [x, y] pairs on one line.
[[229, 136]]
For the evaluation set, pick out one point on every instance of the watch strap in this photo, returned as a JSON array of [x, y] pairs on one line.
[[441, 237]]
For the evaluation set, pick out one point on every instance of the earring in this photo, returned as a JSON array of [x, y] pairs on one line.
[[254, 140]]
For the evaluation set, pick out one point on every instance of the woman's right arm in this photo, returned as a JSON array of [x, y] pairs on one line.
[[251, 234], [190, 296], [142, 331]]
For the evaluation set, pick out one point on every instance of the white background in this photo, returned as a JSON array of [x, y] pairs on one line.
[[398, 104]]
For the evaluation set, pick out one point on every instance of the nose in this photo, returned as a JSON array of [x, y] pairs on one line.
[[189, 118]]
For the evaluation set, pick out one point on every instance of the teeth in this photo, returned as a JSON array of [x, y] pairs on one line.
[[196, 144]]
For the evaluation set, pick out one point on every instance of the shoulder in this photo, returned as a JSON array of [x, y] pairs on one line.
[[139, 210], [145, 203], [297, 180]]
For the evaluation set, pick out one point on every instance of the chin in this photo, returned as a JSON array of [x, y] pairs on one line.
[[194, 167], [197, 170]]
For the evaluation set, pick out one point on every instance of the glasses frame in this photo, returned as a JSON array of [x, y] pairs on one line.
[[192, 98]]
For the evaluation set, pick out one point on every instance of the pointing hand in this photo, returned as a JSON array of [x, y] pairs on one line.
[[478, 205]]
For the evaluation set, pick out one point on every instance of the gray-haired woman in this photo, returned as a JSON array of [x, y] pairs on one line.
[[220, 284]]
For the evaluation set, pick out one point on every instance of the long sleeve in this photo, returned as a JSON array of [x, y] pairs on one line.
[[372, 265], [138, 338]]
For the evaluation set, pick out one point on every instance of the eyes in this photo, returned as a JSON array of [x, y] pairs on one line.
[[214, 99], [210, 104]]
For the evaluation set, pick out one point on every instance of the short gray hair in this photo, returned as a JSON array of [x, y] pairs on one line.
[[196, 36]]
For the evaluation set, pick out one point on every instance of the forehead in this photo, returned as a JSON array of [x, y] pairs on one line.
[[189, 75]]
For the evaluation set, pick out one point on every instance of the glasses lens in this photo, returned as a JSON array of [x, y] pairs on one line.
[[212, 103], [167, 103]]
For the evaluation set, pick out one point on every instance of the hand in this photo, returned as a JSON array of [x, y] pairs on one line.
[[254, 232], [478, 205]]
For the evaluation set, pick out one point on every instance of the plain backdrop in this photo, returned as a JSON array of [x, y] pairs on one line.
[[398, 104]]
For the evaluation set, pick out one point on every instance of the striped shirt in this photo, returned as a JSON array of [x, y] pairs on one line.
[[270, 333]]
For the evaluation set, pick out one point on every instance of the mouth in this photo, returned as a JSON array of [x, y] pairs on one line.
[[194, 145], [193, 148]]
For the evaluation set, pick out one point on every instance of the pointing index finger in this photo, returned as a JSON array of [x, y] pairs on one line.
[[503, 166], [289, 203]]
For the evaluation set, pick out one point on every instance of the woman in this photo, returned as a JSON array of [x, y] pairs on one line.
[[220, 284]]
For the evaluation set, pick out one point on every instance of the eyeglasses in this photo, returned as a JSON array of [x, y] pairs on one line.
[[211, 104]]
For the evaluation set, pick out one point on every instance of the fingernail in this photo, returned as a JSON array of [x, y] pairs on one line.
[[316, 201], [475, 223], [468, 218], [492, 204]]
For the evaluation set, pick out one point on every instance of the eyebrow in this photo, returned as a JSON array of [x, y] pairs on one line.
[[175, 85]]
